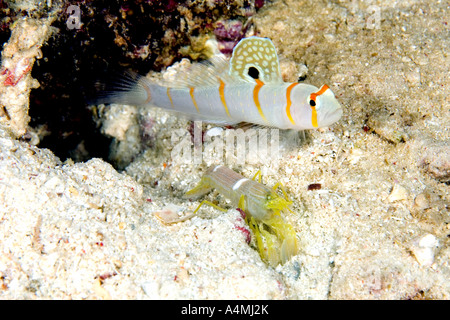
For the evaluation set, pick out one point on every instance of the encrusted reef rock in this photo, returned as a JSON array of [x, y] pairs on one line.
[[95, 37], [18, 57]]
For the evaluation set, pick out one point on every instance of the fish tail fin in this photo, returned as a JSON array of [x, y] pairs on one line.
[[122, 88]]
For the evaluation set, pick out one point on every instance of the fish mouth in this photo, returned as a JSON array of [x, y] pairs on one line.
[[331, 117]]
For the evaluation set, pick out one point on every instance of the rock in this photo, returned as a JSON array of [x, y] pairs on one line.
[[388, 125], [436, 160], [422, 201], [424, 249], [398, 193], [18, 57]]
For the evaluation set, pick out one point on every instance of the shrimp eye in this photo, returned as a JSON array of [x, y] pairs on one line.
[[312, 103]]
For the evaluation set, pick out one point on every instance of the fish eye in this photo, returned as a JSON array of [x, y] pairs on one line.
[[253, 72], [312, 103]]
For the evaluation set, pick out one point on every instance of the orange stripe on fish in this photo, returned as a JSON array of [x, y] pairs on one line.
[[318, 93], [170, 98], [149, 94], [312, 103], [222, 96], [258, 86], [191, 92], [314, 117], [289, 102]]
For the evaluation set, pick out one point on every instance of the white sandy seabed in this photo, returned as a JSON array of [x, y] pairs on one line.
[[377, 229]]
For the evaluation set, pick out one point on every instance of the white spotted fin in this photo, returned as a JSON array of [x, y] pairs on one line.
[[253, 52], [258, 53]]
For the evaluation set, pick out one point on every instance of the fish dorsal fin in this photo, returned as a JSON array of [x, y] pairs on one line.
[[258, 53], [202, 74]]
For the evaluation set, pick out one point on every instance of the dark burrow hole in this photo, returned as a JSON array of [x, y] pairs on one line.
[[73, 59], [114, 35]]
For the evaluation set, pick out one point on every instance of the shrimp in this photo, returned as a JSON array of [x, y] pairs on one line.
[[275, 237]]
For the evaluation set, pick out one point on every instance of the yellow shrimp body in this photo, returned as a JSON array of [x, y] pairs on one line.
[[275, 237]]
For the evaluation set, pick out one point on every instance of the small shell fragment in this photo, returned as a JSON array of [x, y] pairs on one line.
[[422, 201], [169, 215], [398, 193], [355, 155], [424, 249]]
